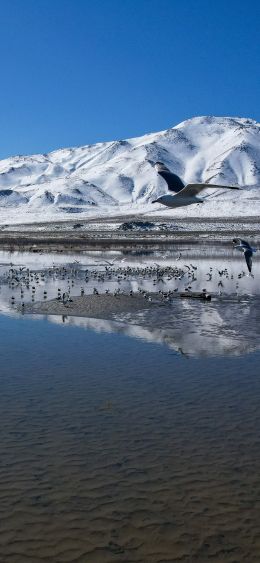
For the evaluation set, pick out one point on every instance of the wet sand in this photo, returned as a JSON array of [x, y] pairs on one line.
[[98, 306], [104, 306]]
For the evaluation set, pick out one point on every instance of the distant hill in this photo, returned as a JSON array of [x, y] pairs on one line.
[[116, 177]]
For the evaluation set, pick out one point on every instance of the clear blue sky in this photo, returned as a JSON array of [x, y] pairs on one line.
[[81, 71]]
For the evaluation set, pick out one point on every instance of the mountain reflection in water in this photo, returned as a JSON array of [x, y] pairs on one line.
[[191, 328]]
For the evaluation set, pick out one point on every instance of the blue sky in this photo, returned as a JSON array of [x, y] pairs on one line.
[[81, 71]]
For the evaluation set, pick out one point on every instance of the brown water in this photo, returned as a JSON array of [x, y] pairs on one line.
[[114, 449]]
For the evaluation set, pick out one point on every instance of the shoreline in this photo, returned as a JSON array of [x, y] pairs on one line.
[[98, 240], [120, 218], [108, 234]]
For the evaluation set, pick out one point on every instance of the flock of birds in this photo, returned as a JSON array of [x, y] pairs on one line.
[[26, 280], [112, 279]]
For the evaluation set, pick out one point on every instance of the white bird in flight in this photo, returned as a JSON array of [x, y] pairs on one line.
[[245, 247], [183, 195]]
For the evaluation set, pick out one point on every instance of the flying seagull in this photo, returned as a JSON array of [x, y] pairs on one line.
[[245, 247], [183, 195]]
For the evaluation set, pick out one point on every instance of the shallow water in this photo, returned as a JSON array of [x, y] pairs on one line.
[[217, 270], [131, 440]]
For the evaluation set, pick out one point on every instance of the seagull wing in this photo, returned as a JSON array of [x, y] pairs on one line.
[[248, 256], [174, 183], [243, 244], [194, 189]]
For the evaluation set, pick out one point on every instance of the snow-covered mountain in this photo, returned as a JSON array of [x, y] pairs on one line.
[[118, 177]]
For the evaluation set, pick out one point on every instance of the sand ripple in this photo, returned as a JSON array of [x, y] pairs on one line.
[[101, 464]]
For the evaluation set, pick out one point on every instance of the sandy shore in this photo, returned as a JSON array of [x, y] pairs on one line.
[[97, 306], [104, 306], [106, 234]]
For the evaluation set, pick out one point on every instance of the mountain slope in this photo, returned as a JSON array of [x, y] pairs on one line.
[[118, 176]]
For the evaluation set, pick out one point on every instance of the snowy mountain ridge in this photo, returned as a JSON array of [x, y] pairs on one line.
[[118, 176]]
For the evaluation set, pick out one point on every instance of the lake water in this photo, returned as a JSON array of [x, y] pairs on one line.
[[134, 439]]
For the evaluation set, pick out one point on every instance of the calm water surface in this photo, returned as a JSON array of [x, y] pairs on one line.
[[134, 439]]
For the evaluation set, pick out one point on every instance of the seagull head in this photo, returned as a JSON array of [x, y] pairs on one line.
[[158, 200], [159, 166]]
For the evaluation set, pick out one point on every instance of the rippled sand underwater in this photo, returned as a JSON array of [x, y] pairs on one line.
[[101, 461], [120, 444]]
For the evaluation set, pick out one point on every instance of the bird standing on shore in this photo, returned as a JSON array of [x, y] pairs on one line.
[[245, 247]]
